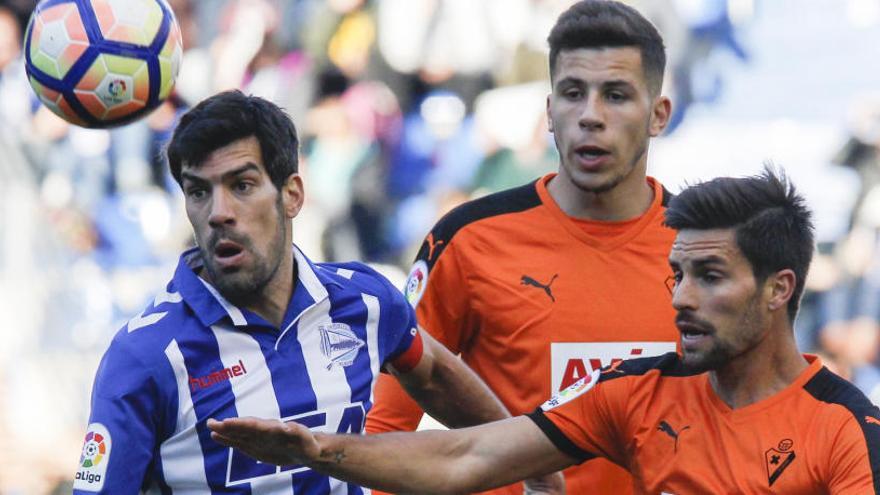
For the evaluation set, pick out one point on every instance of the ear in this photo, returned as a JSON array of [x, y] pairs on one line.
[[780, 289], [660, 115], [292, 195], [549, 118]]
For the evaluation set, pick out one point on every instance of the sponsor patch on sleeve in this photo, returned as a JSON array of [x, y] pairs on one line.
[[92, 468], [575, 390], [416, 282]]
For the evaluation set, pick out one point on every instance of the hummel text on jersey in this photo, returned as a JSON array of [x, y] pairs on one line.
[[195, 383]]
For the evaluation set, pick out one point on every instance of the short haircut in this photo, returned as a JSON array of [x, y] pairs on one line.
[[228, 117], [609, 24], [771, 221]]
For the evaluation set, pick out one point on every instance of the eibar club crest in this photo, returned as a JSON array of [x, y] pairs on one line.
[[339, 344], [778, 459]]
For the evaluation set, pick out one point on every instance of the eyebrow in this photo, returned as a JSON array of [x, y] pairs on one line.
[[701, 262], [576, 81], [247, 167]]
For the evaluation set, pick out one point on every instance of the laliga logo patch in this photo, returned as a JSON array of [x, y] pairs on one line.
[[416, 282], [575, 390], [94, 459]]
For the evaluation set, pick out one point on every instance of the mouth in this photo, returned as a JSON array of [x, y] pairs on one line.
[[590, 155], [692, 333], [228, 253]]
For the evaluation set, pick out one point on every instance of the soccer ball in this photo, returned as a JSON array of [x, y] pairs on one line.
[[102, 63]]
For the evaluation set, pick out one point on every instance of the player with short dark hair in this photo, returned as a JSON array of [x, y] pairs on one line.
[[741, 411], [527, 284], [248, 325]]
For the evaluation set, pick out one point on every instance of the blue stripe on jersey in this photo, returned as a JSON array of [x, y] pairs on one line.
[[202, 357], [358, 374]]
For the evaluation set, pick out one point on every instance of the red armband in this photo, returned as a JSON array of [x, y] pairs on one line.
[[410, 358]]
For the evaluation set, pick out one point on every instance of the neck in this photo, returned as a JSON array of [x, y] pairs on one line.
[[629, 199], [271, 303], [761, 372]]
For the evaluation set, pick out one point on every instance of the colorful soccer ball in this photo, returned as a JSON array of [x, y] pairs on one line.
[[102, 63]]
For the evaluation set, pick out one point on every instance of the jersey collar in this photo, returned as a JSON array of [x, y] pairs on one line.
[[210, 306]]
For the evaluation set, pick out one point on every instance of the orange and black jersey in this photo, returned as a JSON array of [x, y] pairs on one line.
[[670, 430], [533, 300]]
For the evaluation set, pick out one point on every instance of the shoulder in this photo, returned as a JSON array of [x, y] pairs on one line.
[[359, 277], [664, 365], [829, 388], [473, 213]]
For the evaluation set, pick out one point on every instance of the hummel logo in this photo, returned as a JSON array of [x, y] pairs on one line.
[[665, 428], [527, 280]]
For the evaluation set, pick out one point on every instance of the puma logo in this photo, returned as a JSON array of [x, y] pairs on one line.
[[872, 420], [527, 280], [432, 245], [665, 428]]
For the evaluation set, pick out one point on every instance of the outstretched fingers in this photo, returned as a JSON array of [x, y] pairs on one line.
[[266, 440]]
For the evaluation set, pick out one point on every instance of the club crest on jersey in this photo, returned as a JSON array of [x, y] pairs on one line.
[[339, 344], [575, 390], [416, 282], [93, 461], [778, 458]]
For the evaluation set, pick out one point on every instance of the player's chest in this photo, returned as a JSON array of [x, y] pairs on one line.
[[682, 451]]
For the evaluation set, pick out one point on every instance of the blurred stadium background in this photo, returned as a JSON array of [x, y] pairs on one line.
[[406, 108]]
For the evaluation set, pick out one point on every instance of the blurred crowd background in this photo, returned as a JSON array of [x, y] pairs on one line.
[[406, 108]]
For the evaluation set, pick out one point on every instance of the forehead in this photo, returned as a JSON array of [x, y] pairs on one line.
[[233, 155], [693, 245], [607, 63]]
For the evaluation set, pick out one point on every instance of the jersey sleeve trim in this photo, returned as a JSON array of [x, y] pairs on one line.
[[562, 442], [827, 387], [410, 358]]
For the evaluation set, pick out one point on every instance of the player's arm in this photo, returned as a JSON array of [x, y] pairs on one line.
[[119, 439], [454, 461], [447, 389]]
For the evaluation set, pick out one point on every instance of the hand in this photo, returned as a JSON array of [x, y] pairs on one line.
[[550, 484], [267, 440]]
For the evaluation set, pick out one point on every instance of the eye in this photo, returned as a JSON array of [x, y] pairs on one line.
[[616, 96], [710, 277], [196, 193], [243, 186], [572, 93]]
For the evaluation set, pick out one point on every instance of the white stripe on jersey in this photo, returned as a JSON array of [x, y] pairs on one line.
[[181, 453], [345, 272], [234, 313], [307, 276], [373, 309], [254, 396]]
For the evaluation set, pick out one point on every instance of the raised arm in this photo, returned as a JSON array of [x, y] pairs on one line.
[[441, 462]]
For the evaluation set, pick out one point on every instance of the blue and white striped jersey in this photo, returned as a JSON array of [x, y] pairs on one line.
[[192, 355]]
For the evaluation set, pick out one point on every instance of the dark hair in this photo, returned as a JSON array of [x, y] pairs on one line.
[[607, 23], [227, 117], [771, 220]]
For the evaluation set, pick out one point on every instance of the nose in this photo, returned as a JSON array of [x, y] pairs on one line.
[[222, 212], [592, 117], [683, 296]]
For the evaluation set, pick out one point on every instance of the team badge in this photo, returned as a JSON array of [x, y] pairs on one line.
[[339, 344], [575, 390], [94, 459], [777, 459], [416, 282]]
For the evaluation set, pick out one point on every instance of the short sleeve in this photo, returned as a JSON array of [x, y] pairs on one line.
[[854, 459], [399, 328], [438, 288], [118, 447], [585, 419]]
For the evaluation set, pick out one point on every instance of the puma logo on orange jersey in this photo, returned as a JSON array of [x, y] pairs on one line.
[[872, 420], [666, 428], [432, 245], [527, 280], [614, 365]]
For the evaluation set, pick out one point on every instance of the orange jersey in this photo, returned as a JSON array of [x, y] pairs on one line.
[[675, 435], [533, 301]]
